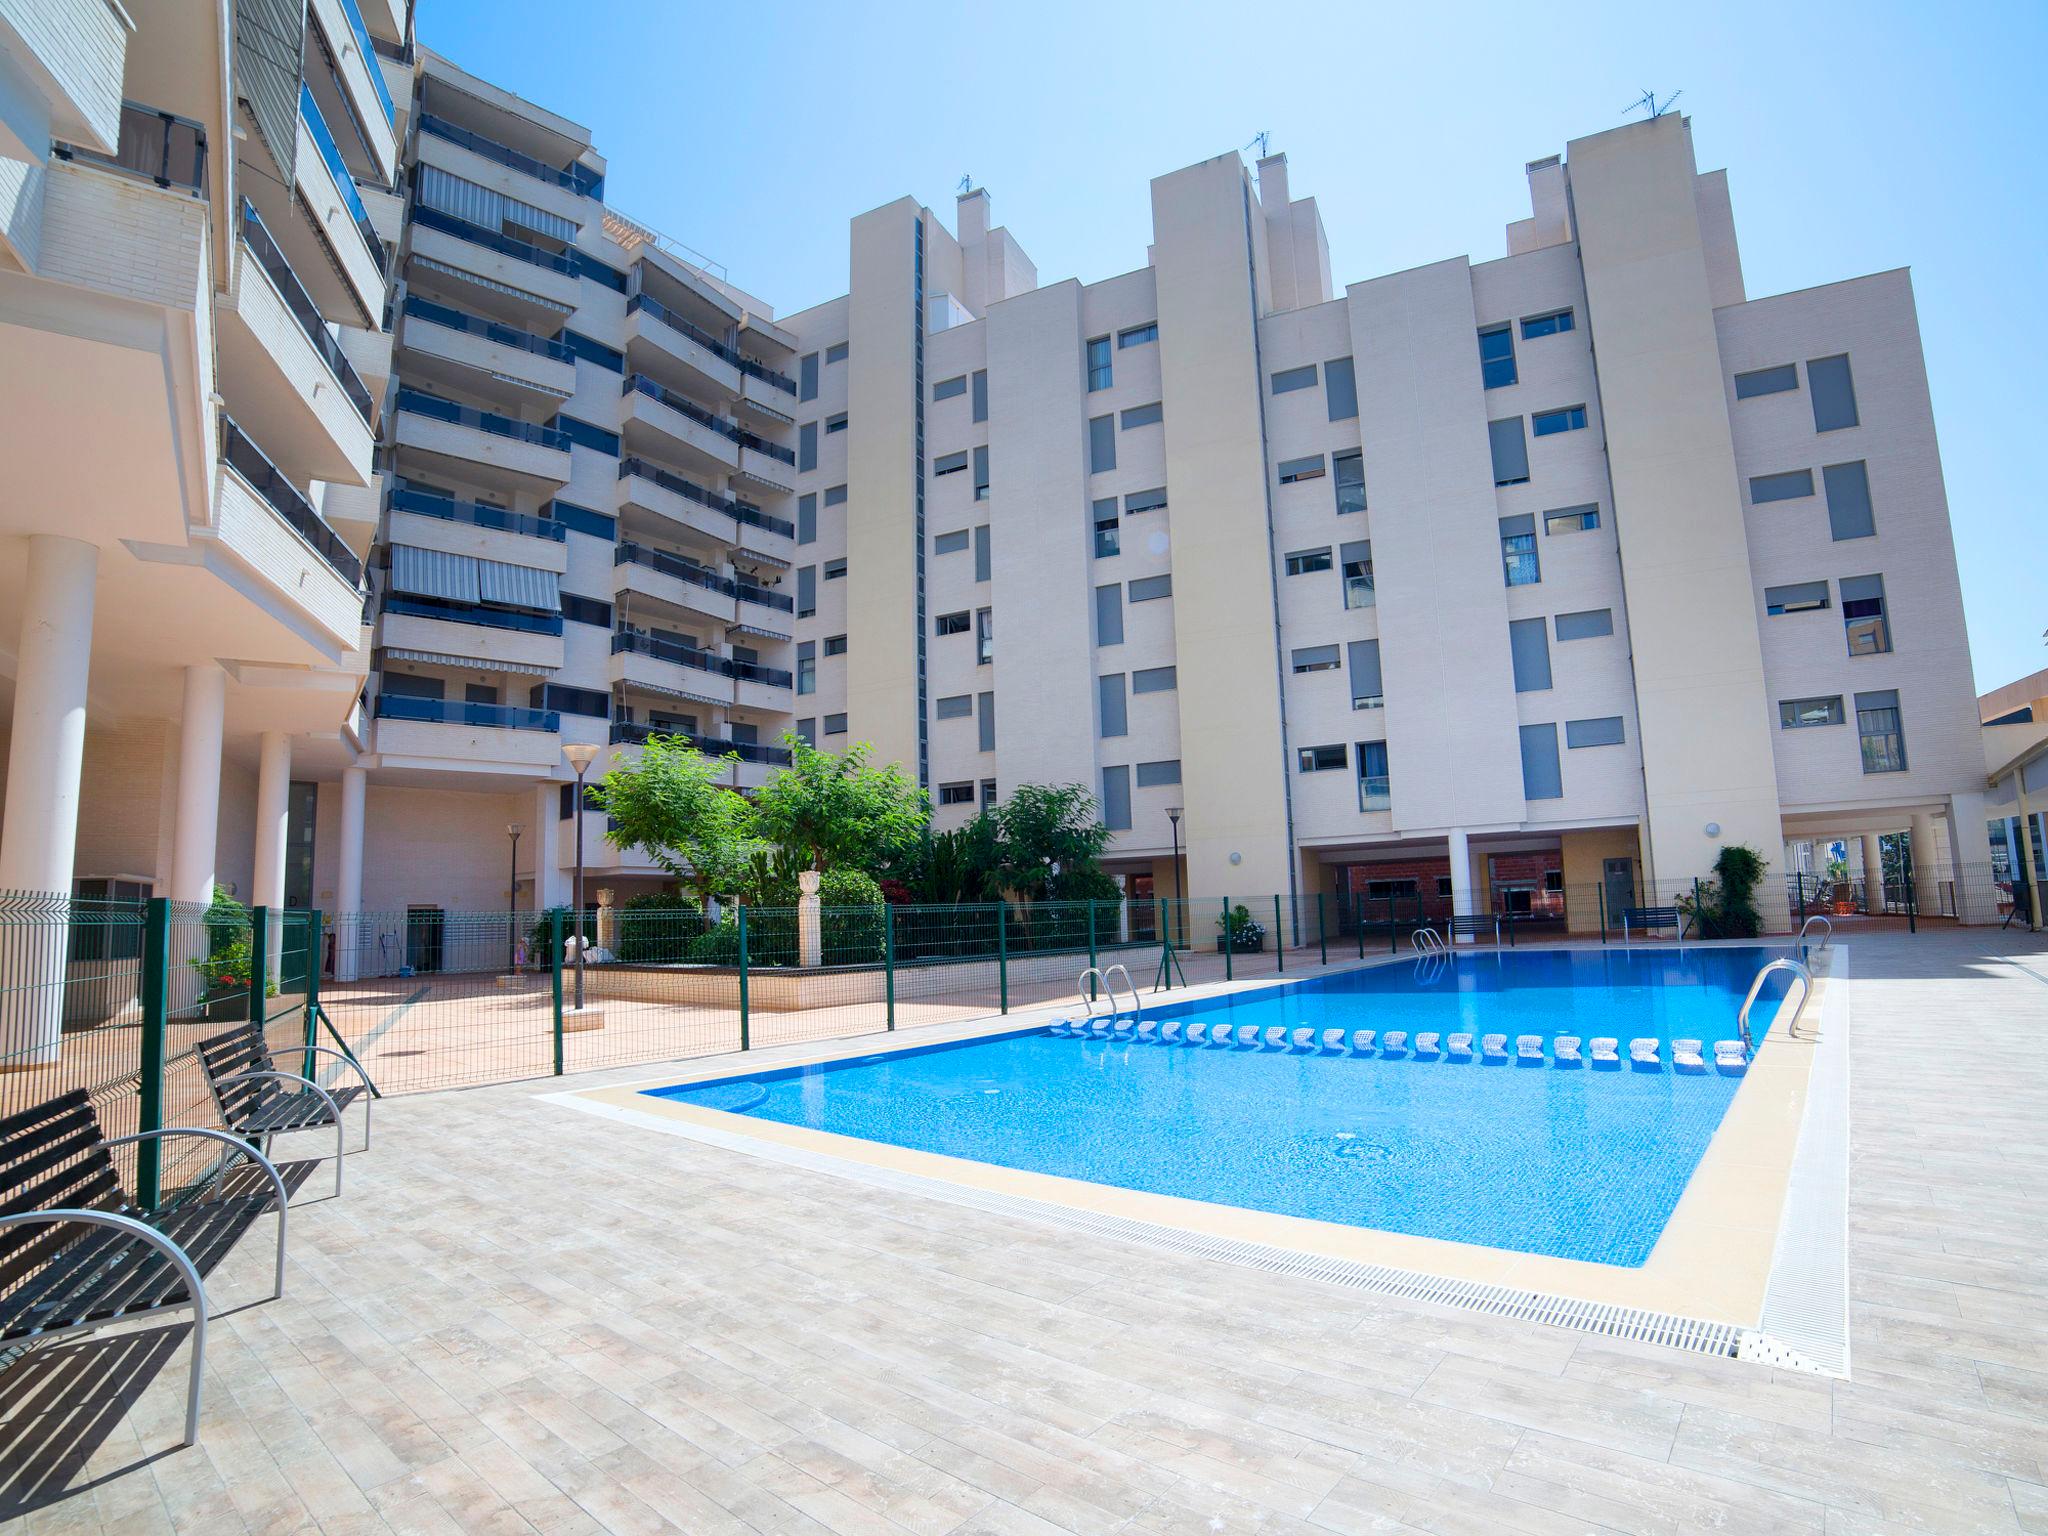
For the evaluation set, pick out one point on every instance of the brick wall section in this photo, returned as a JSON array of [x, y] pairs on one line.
[[84, 46], [102, 230]]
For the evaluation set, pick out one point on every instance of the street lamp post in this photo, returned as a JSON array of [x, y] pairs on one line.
[[1173, 814], [512, 829], [581, 755]]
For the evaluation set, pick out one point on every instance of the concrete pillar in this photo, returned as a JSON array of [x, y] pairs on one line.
[[1969, 858], [810, 931], [198, 819], [1873, 873], [1461, 877], [273, 811], [550, 887], [348, 885], [38, 838], [1926, 867]]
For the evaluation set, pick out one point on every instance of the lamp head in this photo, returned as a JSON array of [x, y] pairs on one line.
[[581, 755], [514, 828]]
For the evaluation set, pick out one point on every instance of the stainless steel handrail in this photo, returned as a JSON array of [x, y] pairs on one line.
[[1805, 978]]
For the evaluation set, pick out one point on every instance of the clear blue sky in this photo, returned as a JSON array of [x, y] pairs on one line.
[[1857, 138]]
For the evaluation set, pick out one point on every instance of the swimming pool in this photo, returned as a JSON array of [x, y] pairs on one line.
[[1578, 1162]]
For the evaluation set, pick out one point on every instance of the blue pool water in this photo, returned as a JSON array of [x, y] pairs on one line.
[[1580, 1163]]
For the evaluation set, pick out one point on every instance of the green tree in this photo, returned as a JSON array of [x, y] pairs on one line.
[[837, 810], [1041, 827], [672, 806]]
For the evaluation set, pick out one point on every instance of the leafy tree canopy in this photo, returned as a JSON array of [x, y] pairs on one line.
[[838, 810], [675, 806]]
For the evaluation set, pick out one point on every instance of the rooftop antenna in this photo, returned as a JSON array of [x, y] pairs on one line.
[[1648, 105], [966, 185], [1261, 140]]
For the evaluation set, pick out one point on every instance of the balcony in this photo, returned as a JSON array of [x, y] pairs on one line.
[[763, 597], [472, 734], [500, 451], [271, 527], [511, 636], [761, 687], [547, 277], [666, 667], [664, 422], [576, 178], [659, 337], [151, 145], [75, 78], [386, 211], [369, 353], [767, 464], [669, 579], [626, 733], [352, 91], [329, 188], [471, 352], [482, 532]]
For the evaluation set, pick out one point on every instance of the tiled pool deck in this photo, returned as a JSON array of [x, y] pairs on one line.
[[525, 1319]]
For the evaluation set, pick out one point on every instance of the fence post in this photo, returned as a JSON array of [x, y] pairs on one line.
[[1801, 879], [156, 996], [313, 925], [1701, 928], [1165, 944], [1601, 889], [1229, 945], [259, 966], [1003, 952], [1393, 937], [555, 968], [746, 1041], [1358, 907], [889, 959], [1912, 895], [1093, 957], [1322, 929], [1279, 939]]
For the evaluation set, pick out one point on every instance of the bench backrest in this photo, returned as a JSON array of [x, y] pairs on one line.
[[52, 1156], [1650, 917], [230, 1055]]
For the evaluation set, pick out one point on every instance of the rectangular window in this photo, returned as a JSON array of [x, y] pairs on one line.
[[1541, 779], [586, 610], [956, 794], [950, 463], [1518, 550], [1109, 615], [982, 570], [1306, 562], [1315, 658], [806, 591], [1788, 486], [1292, 470], [1138, 335], [1798, 714], [1587, 624], [835, 495], [1529, 646], [981, 474], [1863, 615], [807, 446], [807, 518], [835, 645], [1497, 356], [980, 394], [807, 732], [1766, 381], [835, 423], [807, 376], [1358, 590], [404, 685], [1375, 793], [1552, 324], [1145, 501], [1101, 444], [1100, 373], [1112, 719], [946, 389], [1880, 733], [1350, 468], [984, 636], [1833, 392], [1143, 416], [1323, 759], [1568, 418], [1153, 680], [1572, 519], [835, 725], [1367, 689], [1108, 539], [836, 353], [988, 793], [1116, 799], [1848, 488], [807, 668], [1148, 589], [985, 718], [1340, 389], [952, 623], [835, 570], [1154, 775], [1287, 380], [1510, 451], [957, 706], [953, 543], [1799, 597], [1606, 731]]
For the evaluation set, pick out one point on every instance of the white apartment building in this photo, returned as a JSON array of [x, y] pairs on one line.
[[1482, 582]]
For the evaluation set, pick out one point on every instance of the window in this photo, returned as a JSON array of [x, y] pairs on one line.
[[1529, 648], [1863, 615], [1109, 615], [981, 473], [1799, 597], [405, 685], [1287, 380], [1143, 416], [835, 725], [1879, 732], [836, 353], [1292, 470], [1358, 592], [1367, 690], [835, 645], [1766, 381], [1111, 717], [835, 570], [806, 591], [835, 423], [1107, 534], [1153, 775], [1848, 488], [1151, 588], [984, 636], [586, 610], [1154, 680], [1555, 323], [981, 394], [946, 389], [982, 567], [956, 706], [1375, 786], [1588, 624], [1833, 391], [1606, 731], [835, 495], [1315, 658], [1510, 451], [1101, 444], [1138, 335], [988, 793], [1340, 389], [807, 446], [1572, 519], [951, 623], [1788, 486], [1798, 714], [807, 667], [1145, 501], [1099, 371], [953, 543], [807, 518], [1567, 418], [573, 701], [1497, 356], [1323, 759], [1306, 562], [807, 376], [949, 463], [1350, 469], [1540, 777], [807, 732], [956, 794], [985, 717], [1116, 799], [1518, 551]]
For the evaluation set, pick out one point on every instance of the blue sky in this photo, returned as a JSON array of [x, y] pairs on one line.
[[1857, 138]]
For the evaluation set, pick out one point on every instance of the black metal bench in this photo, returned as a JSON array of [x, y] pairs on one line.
[[1649, 918], [258, 1099], [76, 1253], [1483, 926]]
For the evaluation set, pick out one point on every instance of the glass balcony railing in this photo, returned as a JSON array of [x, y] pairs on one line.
[[476, 514], [242, 455], [672, 566], [367, 52], [738, 511], [754, 517], [156, 146], [703, 660], [640, 384], [420, 403], [747, 592], [489, 330], [761, 445], [1374, 793], [576, 178], [631, 733], [344, 178], [474, 613], [265, 250], [504, 717], [424, 217], [755, 672], [641, 303]]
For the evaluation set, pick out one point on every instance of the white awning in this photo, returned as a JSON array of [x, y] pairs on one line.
[[638, 686], [433, 573], [519, 586], [523, 294], [751, 629], [473, 663], [740, 552], [480, 205]]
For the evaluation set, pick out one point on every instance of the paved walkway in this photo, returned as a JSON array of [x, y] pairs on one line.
[[525, 1319]]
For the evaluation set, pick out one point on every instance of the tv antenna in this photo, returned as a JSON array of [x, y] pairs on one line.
[[966, 185], [1261, 140], [1648, 105]]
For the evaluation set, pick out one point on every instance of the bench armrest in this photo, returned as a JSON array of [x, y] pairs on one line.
[[328, 1050], [276, 1179], [141, 1231]]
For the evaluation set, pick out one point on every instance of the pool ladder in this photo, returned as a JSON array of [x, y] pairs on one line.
[[1805, 979], [1427, 941], [1827, 931], [1106, 975]]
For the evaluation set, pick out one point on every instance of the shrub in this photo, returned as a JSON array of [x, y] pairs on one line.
[[851, 925], [659, 928]]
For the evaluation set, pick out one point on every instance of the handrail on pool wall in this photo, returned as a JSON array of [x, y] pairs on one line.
[[1805, 979], [1427, 941], [1104, 975], [1827, 935]]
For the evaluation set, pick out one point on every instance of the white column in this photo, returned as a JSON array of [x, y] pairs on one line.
[[1873, 874], [810, 933], [348, 885], [273, 812], [198, 821], [1969, 856], [1926, 871], [1461, 877], [45, 755], [550, 889]]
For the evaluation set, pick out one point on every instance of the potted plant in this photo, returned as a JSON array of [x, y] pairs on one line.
[[224, 970], [1239, 932]]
